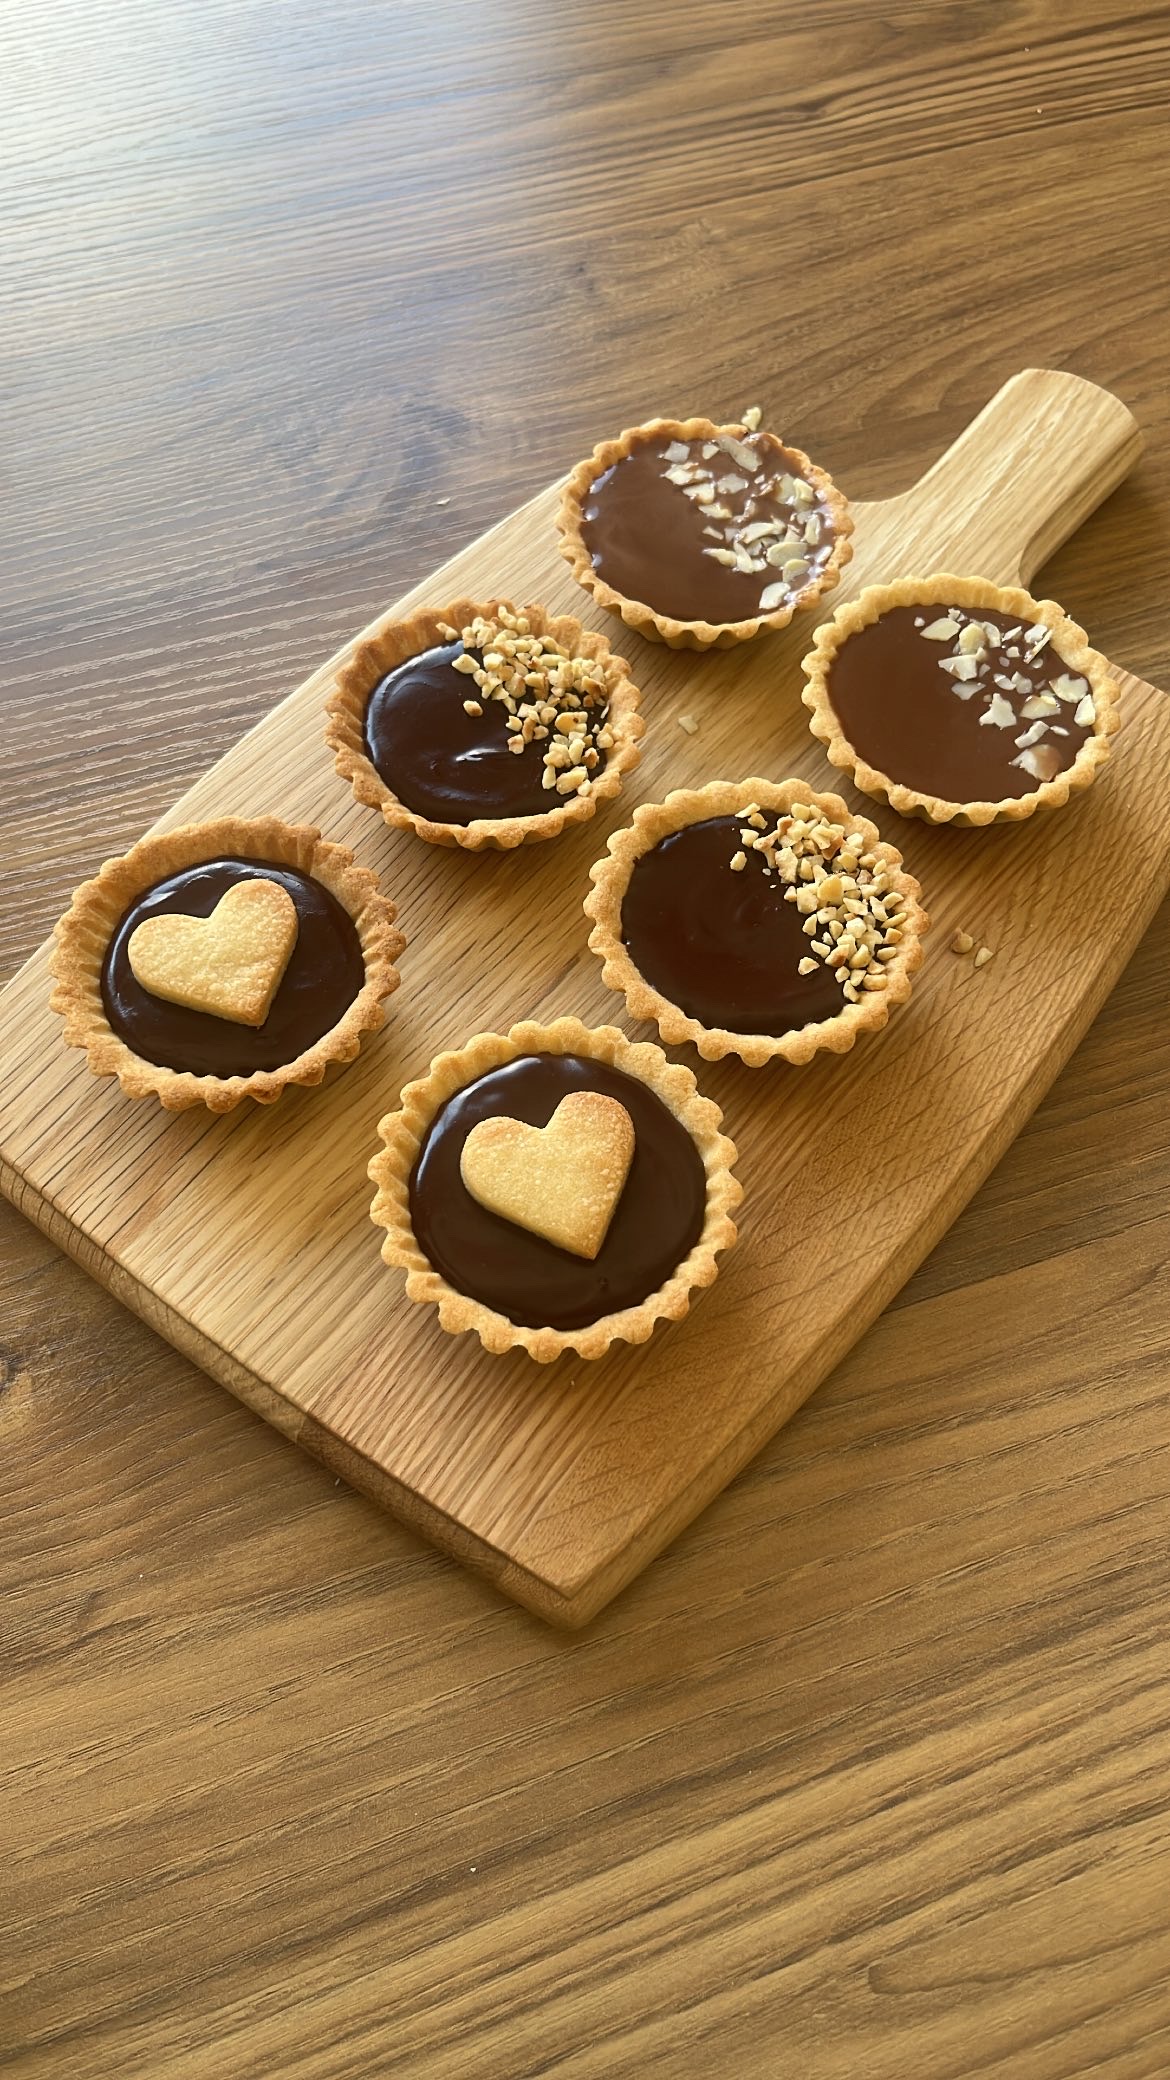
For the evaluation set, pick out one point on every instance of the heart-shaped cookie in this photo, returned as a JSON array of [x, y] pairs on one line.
[[562, 1181], [229, 964]]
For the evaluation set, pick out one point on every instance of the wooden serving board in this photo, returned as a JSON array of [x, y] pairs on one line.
[[247, 1240]]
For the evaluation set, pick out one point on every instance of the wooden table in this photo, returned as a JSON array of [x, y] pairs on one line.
[[868, 1776]]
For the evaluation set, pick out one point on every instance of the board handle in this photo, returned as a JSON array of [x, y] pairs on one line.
[[1024, 475]]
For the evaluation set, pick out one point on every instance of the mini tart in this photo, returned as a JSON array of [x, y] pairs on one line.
[[734, 898], [395, 643], [664, 1088], [573, 521], [87, 937], [1059, 673]]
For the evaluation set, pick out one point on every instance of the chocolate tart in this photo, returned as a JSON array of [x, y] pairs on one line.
[[515, 1288], [960, 701], [701, 536], [750, 929], [331, 990], [421, 723]]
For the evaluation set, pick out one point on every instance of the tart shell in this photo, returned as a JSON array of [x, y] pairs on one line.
[[84, 933], [393, 642], [404, 1131], [655, 821], [980, 595], [663, 628]]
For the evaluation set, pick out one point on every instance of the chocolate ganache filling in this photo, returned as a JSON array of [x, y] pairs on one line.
[[442, 763], [723, 943], [716, 530], [959, 703], [325, 973], [659, 1216]]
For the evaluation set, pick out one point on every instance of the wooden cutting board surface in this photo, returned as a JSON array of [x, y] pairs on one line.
[[247, 1241]]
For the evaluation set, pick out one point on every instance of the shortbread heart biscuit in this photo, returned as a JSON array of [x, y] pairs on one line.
[[229, 964], [562, 1181]]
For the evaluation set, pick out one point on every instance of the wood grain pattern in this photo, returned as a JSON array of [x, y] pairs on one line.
[[248, 1240], [282, 1790]]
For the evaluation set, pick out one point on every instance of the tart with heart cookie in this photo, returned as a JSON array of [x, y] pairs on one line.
[[484, 724], [960, 701], [224, 961], [555, 1189], [756, 918], [701, 536]]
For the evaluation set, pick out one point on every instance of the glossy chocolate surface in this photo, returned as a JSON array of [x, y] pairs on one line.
[[646, 537], [324, 974], [442, 763], [906, 716], [723, 946], [659, 1216]]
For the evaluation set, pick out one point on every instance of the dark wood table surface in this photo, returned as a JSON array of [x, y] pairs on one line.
[[869, 1774]]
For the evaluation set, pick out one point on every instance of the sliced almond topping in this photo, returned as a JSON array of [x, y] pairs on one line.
[[747, 458], [942, 630], [999, 712]]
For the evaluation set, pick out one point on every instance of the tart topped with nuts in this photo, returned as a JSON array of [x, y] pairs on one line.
[[555, 1188], [758, 919], [703, 535], [223, 961], [960, 701], [484, 724]]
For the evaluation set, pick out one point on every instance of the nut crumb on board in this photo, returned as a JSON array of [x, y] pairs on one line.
[[688, 723]]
